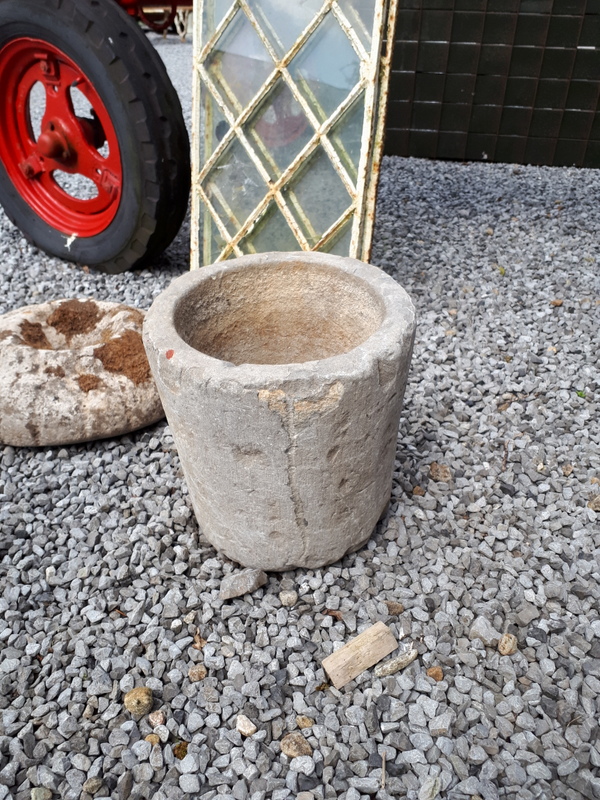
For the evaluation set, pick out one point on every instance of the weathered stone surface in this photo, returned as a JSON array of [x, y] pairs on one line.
[[156, 718], [295, 745], [138, 701], [240, 583], [394, 608], [440, 472], [162, 732], [483, 629], [288, 598], [245, 726], [508, 644], [436, 672], [41, 793], [72, 371], [197, 672], [282, 376], [92, 785], [440, 726]]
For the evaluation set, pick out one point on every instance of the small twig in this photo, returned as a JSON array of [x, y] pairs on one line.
[[575, 721], [505, 459], [383, 770], [396, 664]]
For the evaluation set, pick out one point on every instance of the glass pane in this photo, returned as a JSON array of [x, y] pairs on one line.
[[360, 14], [279, 130], [317, 197], [326, 68], [213, 241], [213, 16], [214, 126], [270, 233], [234, 186], [346, 136], [284, 22], [340, 244], [239, 63]]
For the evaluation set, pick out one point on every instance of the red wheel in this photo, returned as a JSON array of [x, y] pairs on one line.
[[94, 153], [66, 143]]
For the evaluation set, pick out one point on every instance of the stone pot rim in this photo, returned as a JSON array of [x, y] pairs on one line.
[[178, 355]]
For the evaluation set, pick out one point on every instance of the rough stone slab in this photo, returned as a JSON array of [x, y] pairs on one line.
[[72, 371]]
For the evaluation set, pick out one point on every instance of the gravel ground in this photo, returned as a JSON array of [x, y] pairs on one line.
[[105, 578]]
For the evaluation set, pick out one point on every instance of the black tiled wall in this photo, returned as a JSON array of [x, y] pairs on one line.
[[497, 80]]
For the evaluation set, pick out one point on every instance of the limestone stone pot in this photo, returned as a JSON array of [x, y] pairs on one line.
[[282, 377]]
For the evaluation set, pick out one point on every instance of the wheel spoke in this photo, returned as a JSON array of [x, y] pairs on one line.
[[58, 103], [79, 154], [89, 161], [56, 78]]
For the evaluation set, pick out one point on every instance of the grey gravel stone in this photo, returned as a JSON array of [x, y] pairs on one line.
[[304, 764], [440, 726], [240, 583], [288, 597], [39, 793], [482, 629], [189, 783], [365, 785], [188, 764], [568, 766], [92, 785]]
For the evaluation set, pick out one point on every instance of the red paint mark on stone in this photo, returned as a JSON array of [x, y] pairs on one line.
[[170, 353]]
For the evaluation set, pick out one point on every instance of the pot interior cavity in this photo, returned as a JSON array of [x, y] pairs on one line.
[[278, 313]]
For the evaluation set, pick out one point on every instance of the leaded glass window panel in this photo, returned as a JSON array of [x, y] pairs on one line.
[[288, 124]]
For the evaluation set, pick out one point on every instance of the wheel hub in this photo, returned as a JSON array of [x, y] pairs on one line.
[[52, 144]]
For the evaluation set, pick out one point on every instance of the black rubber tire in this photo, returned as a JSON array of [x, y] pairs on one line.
[[145, 111]]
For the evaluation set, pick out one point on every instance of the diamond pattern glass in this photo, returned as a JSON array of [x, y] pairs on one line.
[[287, 143], [326, 68], [239, 63], [280, 129], [234, 187], [346, 136], [339, 245], [360, 14], [317, 196], [214, 16], [284, 22], [214, 127], [270, 233]]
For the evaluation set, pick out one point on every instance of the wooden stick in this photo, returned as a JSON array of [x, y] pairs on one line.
[[396, 664], [359, 654]]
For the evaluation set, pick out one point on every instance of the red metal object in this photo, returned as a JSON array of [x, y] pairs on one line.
[[66, 143], [138, 9]]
